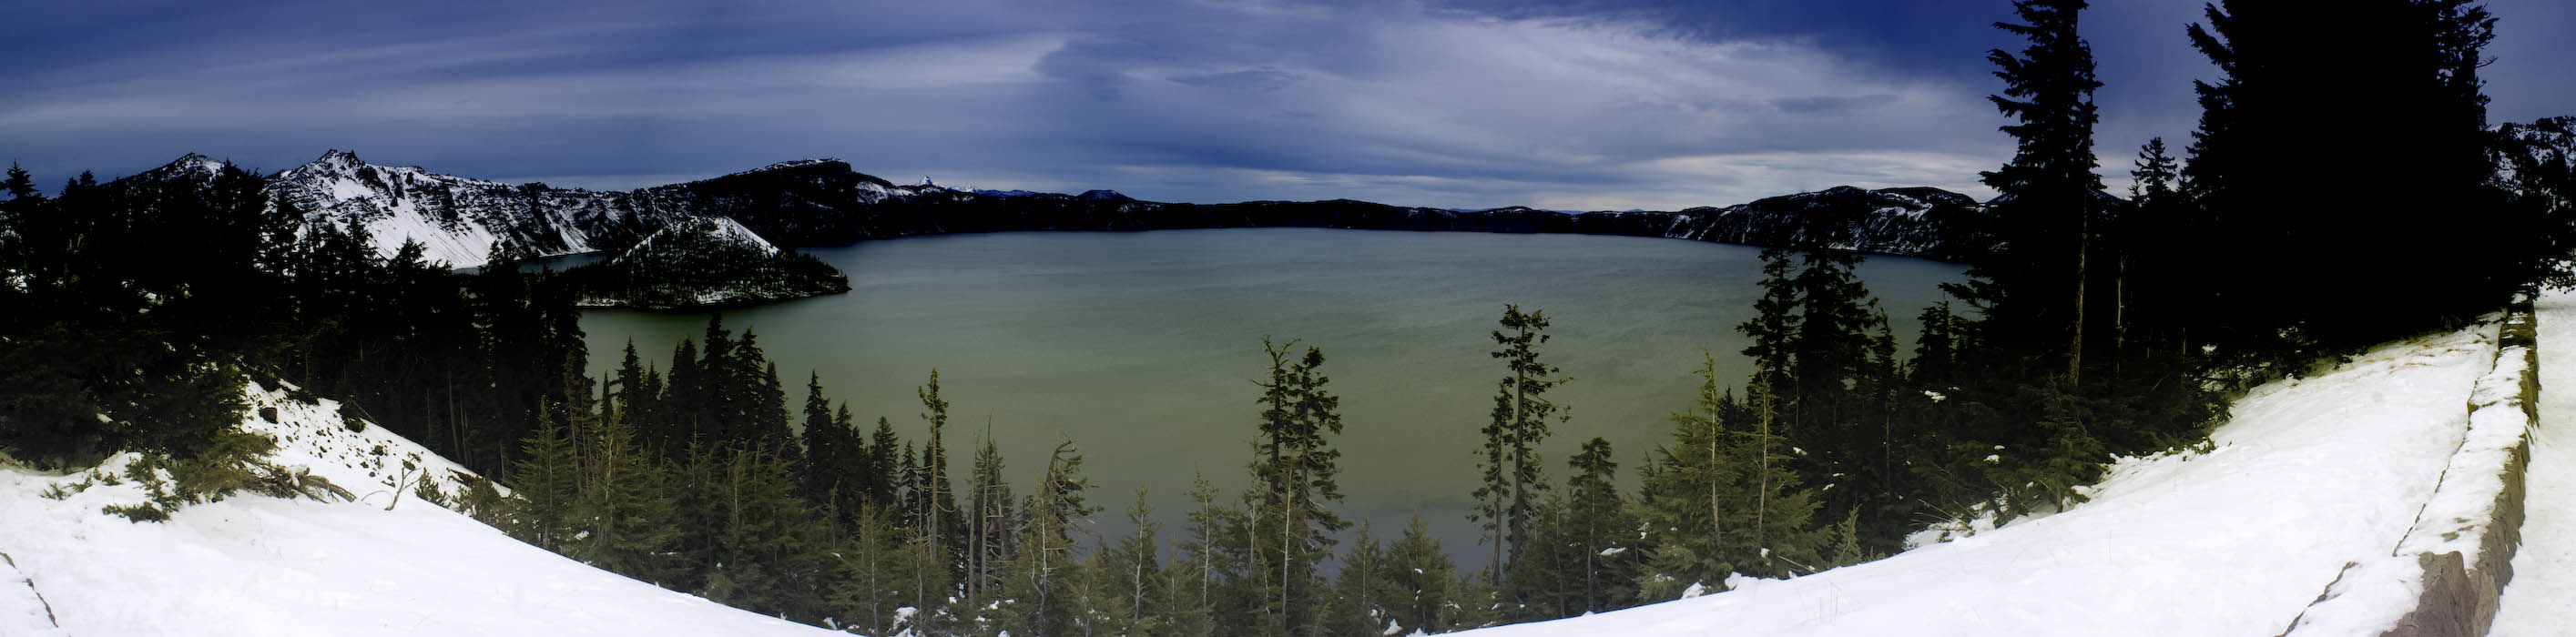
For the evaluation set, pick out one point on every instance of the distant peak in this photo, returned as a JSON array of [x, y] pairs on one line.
[[192, 163], [1101, 194]]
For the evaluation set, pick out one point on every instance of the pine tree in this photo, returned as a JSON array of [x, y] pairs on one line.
[[934, 499], [989, 523], [871, 582], [1508, 499], [2287, 77], [1044, 569], [884, 478], [819, 477], [1601, 531], [1362, 596], [1295, 468], [625, 515], [2048, 189], [1131, 575], [1424, 582], [545, 476], [1201, 562]]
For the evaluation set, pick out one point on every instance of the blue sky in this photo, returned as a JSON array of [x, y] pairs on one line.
[[1587, 104]]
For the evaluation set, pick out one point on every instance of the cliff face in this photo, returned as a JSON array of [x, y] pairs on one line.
[[465, 222]]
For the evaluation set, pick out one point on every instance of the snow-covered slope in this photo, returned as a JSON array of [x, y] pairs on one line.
[[2542, 596], [2309, 474], [462, 221], [260, 566], [702, 230]]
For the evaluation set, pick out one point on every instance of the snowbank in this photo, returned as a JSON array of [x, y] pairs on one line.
[[2307, 476], [2541, 597], [263, 566], [2445, 576]]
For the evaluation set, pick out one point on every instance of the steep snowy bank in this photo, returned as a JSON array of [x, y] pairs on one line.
[[2542, 596], [2307, 476], [262, 566]]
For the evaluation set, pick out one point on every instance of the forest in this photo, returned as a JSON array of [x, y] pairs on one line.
[[2102, 326]]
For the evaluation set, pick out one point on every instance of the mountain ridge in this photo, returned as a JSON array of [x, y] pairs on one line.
[[467, 222]]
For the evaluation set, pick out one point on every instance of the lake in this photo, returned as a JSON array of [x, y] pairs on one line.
[[1142, 347]]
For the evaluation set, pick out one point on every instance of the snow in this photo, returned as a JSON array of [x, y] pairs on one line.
[[255, 565], [2378, 591], [724, 229], [2308, 475], [2542, 595]]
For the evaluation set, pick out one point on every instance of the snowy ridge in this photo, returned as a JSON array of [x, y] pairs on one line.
[[260, 566], [463, 222], [722, 230], [2307, 476]]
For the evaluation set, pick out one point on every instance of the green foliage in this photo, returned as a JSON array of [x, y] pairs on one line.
[[547, 480], [1294, 474], [1130, 577], [1720, 498], [1507, 500], [1423, 581]]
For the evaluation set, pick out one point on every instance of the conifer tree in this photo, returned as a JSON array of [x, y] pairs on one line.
[[819, 477], [2283, 99], [884, 478], [625, 516], [1201, 562], [2047, 191], [1362, 595], [545, 476], [1043, 572], [1508, 499], [1600, 531], [1424, 582], [934, 499], [1130, 573], [1295, 467], [989, 523], [871, 583]]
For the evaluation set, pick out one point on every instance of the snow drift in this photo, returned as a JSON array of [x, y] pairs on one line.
[[262, 566], [2308, 475]]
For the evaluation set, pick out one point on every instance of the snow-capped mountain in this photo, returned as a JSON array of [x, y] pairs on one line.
[[465, 222]]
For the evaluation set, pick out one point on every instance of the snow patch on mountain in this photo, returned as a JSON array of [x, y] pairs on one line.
[[260, 566], [720, 230]]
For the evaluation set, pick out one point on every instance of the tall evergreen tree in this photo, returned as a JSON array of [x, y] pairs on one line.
[[545, 477], [625, 516], [1043, 571], [1424, 582], [2288, 77], [990, 524], [934, 497], [1295, 467], [1507, 501], [2047, 193]]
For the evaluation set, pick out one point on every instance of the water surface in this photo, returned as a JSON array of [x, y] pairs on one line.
[[1142, 347]]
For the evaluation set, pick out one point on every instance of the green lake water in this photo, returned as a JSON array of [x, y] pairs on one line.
[[1142, 347]]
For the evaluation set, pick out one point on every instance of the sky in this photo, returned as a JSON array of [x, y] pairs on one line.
[[1563, 104]]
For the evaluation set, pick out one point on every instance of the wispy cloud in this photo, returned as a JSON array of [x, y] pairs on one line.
[[1570, 106]]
